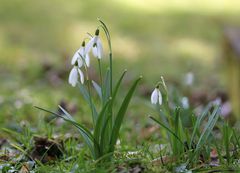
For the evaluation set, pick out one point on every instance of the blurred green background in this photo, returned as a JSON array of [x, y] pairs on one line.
[[149, 37]]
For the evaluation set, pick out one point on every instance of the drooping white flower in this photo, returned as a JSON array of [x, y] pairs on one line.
[[81, 75], [80, 56], [75, 75], [156, 96], [75, 57], [189, 78], [96, 45], [185, 102], [87, 60]]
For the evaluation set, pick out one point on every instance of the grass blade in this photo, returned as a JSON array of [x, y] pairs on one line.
[[169, 130], [207, 131], [198, 123], [177, 131], [86, 134]]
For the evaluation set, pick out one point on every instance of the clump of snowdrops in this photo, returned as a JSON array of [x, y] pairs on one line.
[[106, 121], [187, 144]]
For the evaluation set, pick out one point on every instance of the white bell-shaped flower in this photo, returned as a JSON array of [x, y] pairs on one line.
[[80, 56], [185, 102], [87, 60], [75, 75], [81, 75], [96, 45], [189, 79], [156, 96]]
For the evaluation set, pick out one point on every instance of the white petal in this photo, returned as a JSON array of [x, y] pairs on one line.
[[81, 76], [73, 76], [87, 60], [154, 96], [82, 52], [90, 45], [159, 97], [189, 78], [80, 62], [95, 51], [100, 48], [185, 103], [74, 58]]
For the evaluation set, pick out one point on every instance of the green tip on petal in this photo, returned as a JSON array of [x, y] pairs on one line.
[[83, 44], [97, 32], [76, 63], [158, 85]]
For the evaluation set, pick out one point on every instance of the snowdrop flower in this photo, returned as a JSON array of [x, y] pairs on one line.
[[185, 103], [156, 96], [96, 45], [189, 78], [75, 75], [80, 56]]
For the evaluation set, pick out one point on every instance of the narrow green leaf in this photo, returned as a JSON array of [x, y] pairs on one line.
[[106, 87], [120, 115], [98, 89], [66, 113], [99, 124], [113, 99], [207, 131], [169, 130], [87, 97], [105, 28], [86, 134], [69, 120], [236, 138], [177, 130], [118, 85], [19, 148], [198, 122], [88, 142], [104, 136], [227, 135]]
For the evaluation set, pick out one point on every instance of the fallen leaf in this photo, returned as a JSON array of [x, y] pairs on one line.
[[46, 150]]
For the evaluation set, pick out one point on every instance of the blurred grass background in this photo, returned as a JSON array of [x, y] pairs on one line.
[[149, 37]]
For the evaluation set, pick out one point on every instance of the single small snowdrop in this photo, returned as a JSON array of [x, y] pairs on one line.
[[185, 102], [75, 75], [96, 45], [189, 79], [80, 56], [156, 96]]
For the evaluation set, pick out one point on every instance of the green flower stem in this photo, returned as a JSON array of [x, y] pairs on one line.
[[101, 79], [106, 31], [90, 96]]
